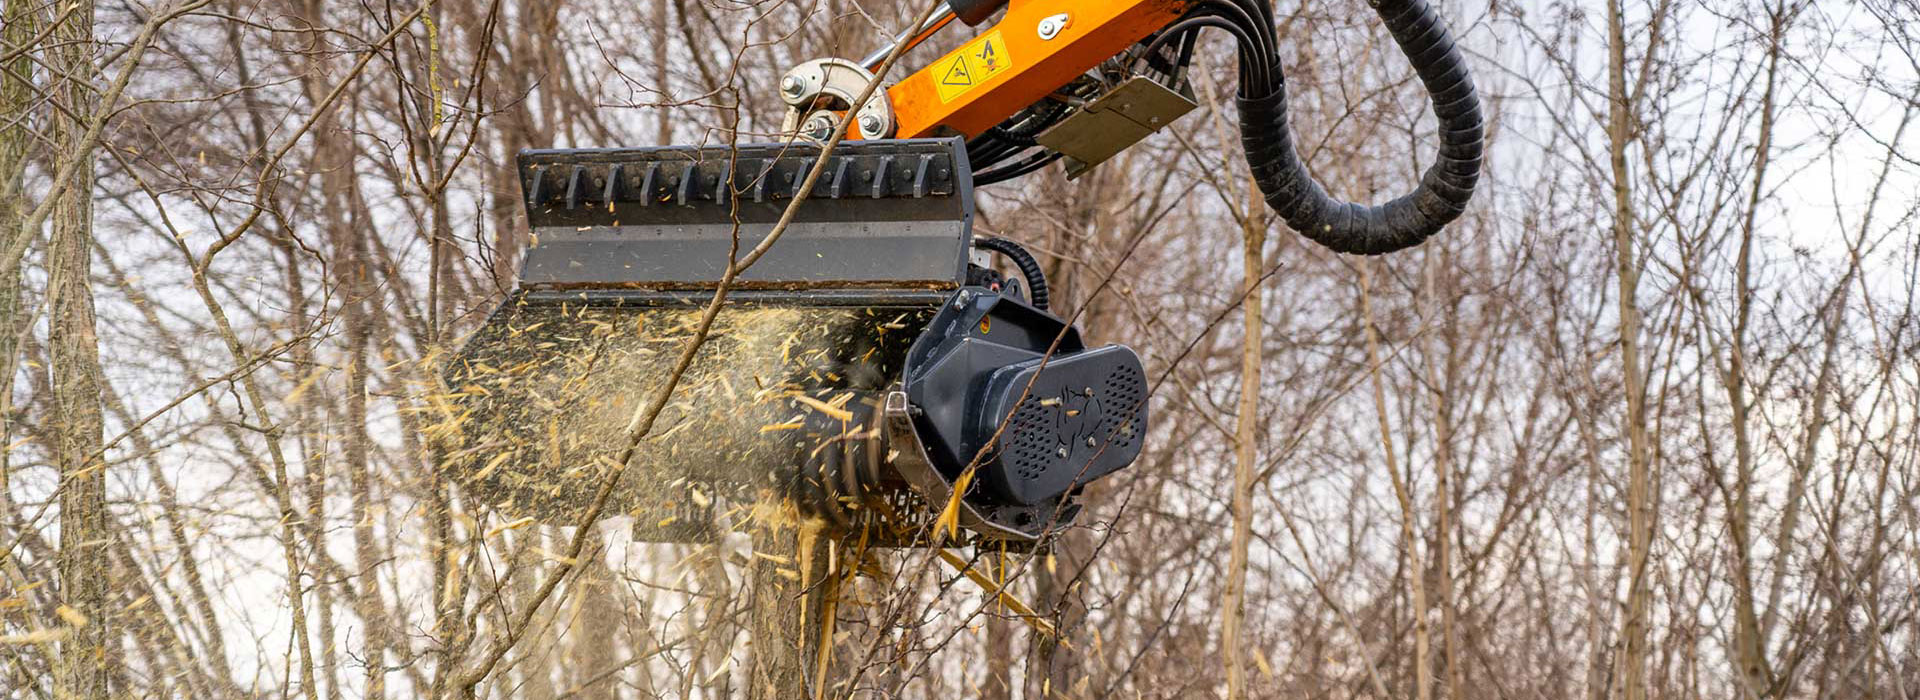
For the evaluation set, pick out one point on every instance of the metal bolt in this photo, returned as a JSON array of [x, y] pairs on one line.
[[819, 127], [1062, 452], [870, 124], [1089, 440], [792, 86]]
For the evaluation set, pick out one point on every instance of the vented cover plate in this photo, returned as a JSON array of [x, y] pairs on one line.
[[1073, 420]]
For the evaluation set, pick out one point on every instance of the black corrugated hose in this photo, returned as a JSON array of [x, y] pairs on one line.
[[1029, 268], [1290, 190], [1358, 228]]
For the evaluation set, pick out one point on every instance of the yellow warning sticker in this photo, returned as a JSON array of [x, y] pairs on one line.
[[972, 65]]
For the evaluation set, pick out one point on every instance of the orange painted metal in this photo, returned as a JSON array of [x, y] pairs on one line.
[[969, 92]]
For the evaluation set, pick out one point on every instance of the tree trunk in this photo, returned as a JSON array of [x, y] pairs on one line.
[[1052, 663], [1749, 636], [1402, 492], [790, 590], [596, 640], [21, 20], [663, 57], [1640, 513], [534, 659], [1442, 371], [86, 658], [999, 643], [1247, 431]]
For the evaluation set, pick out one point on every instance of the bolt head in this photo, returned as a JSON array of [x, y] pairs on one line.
[[820, 127], [870, 124], [792, 86]]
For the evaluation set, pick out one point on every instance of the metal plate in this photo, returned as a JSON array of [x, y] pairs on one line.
[[1116, 121]]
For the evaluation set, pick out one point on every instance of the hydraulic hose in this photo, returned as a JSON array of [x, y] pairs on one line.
[[1029, 268], [1443, 191], [1008, 172]]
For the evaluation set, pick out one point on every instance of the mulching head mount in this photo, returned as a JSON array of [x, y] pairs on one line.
[[861, 367]]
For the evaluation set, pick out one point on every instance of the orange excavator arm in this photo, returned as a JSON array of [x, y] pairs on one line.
[[1036, 48], [1080, 80]]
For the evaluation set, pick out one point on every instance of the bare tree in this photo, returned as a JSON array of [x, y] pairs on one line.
[[1640, 424]]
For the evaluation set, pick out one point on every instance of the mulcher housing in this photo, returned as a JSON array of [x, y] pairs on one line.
[[860, 368]]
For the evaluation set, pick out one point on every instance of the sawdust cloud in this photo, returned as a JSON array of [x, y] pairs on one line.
[[541, 399]]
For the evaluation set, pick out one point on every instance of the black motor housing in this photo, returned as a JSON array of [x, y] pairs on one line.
[[1013, 392]]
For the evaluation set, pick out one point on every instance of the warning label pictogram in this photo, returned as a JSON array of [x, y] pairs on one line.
[[958, 75], [974, 64]]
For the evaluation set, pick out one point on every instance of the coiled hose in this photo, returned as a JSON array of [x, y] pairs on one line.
[[1291, 191], [1029, 268], [1349, 227]]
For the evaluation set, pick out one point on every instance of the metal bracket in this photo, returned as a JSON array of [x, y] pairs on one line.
[[1053, 25], [1114, 122], [818, 94], [910, 461]]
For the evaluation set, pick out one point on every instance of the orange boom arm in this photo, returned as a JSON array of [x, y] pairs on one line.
[[1076, 82], [1037, 47]]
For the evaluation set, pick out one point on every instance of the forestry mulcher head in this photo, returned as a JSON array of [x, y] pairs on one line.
[[865, 367]]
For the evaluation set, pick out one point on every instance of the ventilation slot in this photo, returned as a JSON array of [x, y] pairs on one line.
[[1029, 445], [1125, 390]]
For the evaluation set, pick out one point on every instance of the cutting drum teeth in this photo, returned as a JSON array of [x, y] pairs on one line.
[[884, 214]]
